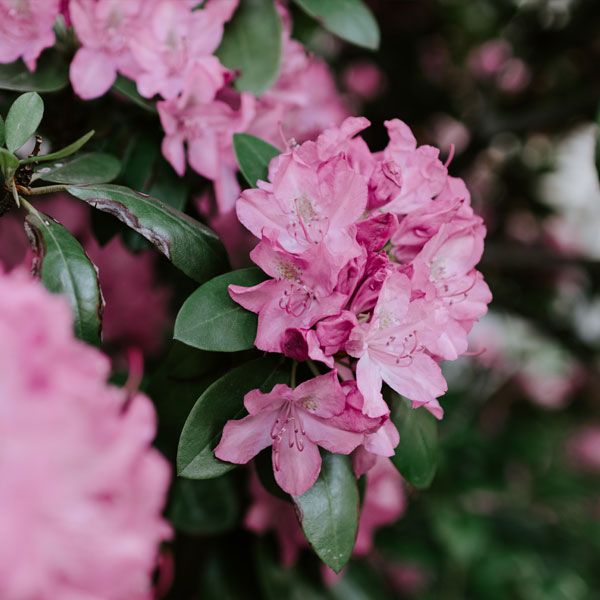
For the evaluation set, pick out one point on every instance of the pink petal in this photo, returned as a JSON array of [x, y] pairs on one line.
[[369, 381], [322, 396], [92, 73], [384, 441], [173, 150], [257, 402], [242, 440], [329, 437], [298, 470]]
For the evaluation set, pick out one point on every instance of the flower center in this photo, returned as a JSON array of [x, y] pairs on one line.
[[287, 429]]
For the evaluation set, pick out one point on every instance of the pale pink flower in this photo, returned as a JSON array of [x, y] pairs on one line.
[[294, 422], [178, 40], [488, 59], [384, 503], [207, 129], [390, 348], [82, 490], [26, 28], [267, 512], [308, 210], [105, 29]]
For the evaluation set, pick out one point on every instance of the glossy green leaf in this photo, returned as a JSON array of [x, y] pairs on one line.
[[205, 507], [351, 20], [90, 168], [210, 320], [253, 156], [9, 163], [329, 511], [222, 401], [417, 453], [51, 75], [127, 88], [252, 45], [189, 245], [65, 269], [62, 153], [23, 119]]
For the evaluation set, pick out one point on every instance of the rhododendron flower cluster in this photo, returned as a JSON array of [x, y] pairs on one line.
[[82, 491], [372, 264]]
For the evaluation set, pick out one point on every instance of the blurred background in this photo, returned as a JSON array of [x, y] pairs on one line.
[[515, 86]]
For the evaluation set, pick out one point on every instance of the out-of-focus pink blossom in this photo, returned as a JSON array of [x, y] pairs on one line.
[[583, 448], [384, 503], [515, 76], [488, 59], [365, 79], [26, 28], [82, 490], [269, 512], [177, 41], [105, 29], [294, 422]]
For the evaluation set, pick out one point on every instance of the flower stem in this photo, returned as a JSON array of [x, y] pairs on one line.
[[47, 189], [293, 374], [313, 368]]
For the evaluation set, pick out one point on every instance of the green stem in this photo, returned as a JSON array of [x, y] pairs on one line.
[[313, 368], [30, 208], [15, 194], [47, 189], [293, 374]]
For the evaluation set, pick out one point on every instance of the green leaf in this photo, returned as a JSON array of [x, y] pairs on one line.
[[417, 453], [252, 44], [127, 88], [189, 245], [91, 168], [204, 507], [63, 153], [351, 20], [253, 155], [2, 131], [51, 75], [23, 119], [210, 320], [9, 163], [329, 512], [222, 401], [65, 269]]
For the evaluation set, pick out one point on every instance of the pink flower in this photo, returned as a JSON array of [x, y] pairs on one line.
[[137, 306], [207, 129], [26, 28], [82, 489], [583, 448], [308, 210], [390, 348], [365, 79], [407, 177], [384, 503], [296, 297], [294, 422], [105, 29], [444, 270], [177, 41], [269, 512]]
